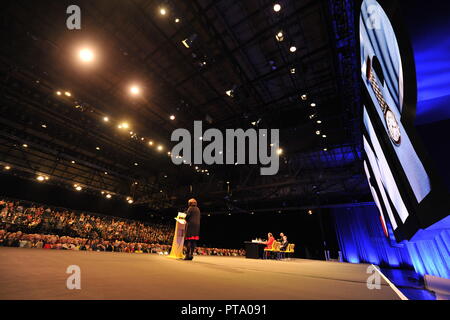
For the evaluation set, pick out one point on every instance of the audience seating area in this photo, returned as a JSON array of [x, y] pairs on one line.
[[28, 225]]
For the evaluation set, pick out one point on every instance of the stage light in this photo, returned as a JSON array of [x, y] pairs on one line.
[[304, 97], [134, 90], [136, 183], [325, 149], [7, 168], [324, 136], [293, 70], [73, 162], [136, 164], [163, 11], [40, 178], [78, 188], [280, 152], [150, 143], [279, 36], [310, 212], [67, 93], [106, 172], [58, 93], [293, 49], [319, 122], [25, 145], [177, 20], [86, 55], [130, 201], [169, 153], [277, 7], [97, 148], [106, 119], [230, 93], [228, 182], [44, 126], [172, 117], [189, 41], [108, 196], [318, 132], [160, 148], [312, 116]]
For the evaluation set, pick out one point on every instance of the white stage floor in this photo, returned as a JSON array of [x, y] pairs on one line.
[[41, 274]]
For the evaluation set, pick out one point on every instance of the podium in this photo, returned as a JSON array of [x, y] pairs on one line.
[[178, 238]]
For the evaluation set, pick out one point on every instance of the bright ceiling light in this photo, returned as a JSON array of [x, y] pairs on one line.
[[324, 136], [318, 132], [230, 93], [160, 148], [277, 7], [304, 97], [135, 90], [106, 119], [108, 196], [163, 11], [280, 152], [86, 55], [177, 20], [78, 188], [130, 201], [319, 122], [172, 117], [150, 143], [293, 70], [97, 148], [40, 178], [279, 36], [7, 168], [25, 145], [67, 93], [313, 105], [293, 49], [58, 93]]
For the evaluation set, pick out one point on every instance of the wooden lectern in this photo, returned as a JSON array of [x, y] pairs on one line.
[[178, 238]]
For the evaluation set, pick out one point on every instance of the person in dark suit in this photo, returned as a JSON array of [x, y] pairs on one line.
[[192, 229]]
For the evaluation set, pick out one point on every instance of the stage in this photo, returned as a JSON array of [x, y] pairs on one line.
[[41, 274]]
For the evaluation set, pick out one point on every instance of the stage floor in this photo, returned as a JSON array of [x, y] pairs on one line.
[[41, 274]]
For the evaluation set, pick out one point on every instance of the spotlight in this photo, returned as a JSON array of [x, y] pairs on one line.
[[177, 20], [313, 105], [130, 201], [163, 11], [169, 153], [230, 93], [172, 117], [293, 70], [136, 164], [73, 162], [189, 41], [106, 172], [7, 168], [319, 122], [108, 196], [304, 97], [123, 125], [135, 90], [78, 188], [86, 55], [58, 93], [279, 36], [325, 149], [280, 152], [324, 136], [67, 93], [310, 212], [44, 126], [160, 148], [150, 143], [277, 7], [293, 49], [97, 148], [106, 119], [40, 178], [25, 145], [318, 132]]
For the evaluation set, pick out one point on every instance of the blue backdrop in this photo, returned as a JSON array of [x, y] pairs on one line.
[[362, 240]]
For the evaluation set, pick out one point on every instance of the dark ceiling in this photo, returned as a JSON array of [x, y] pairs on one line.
[[234, 49]]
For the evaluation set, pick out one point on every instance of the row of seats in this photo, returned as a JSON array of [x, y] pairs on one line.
[[277, 252]]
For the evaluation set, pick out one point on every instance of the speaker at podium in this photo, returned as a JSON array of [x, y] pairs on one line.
[[178, 238]]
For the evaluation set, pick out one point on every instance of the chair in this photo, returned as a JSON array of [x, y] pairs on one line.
[[275, 248], [290, 250]]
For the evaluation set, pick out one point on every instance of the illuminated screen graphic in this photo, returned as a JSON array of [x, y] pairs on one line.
[[398, 171]]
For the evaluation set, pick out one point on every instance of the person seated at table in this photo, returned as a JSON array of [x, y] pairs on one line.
[[270, 241], [284, 242]]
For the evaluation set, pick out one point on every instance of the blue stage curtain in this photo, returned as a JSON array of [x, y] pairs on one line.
[[362, 240]]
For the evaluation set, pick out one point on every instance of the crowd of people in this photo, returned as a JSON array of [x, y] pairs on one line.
[[35, 226]]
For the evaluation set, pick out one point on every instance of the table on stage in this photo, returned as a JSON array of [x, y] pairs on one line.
[[254, 250]]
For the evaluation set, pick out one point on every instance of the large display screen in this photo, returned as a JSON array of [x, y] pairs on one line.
[[408, 193]]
